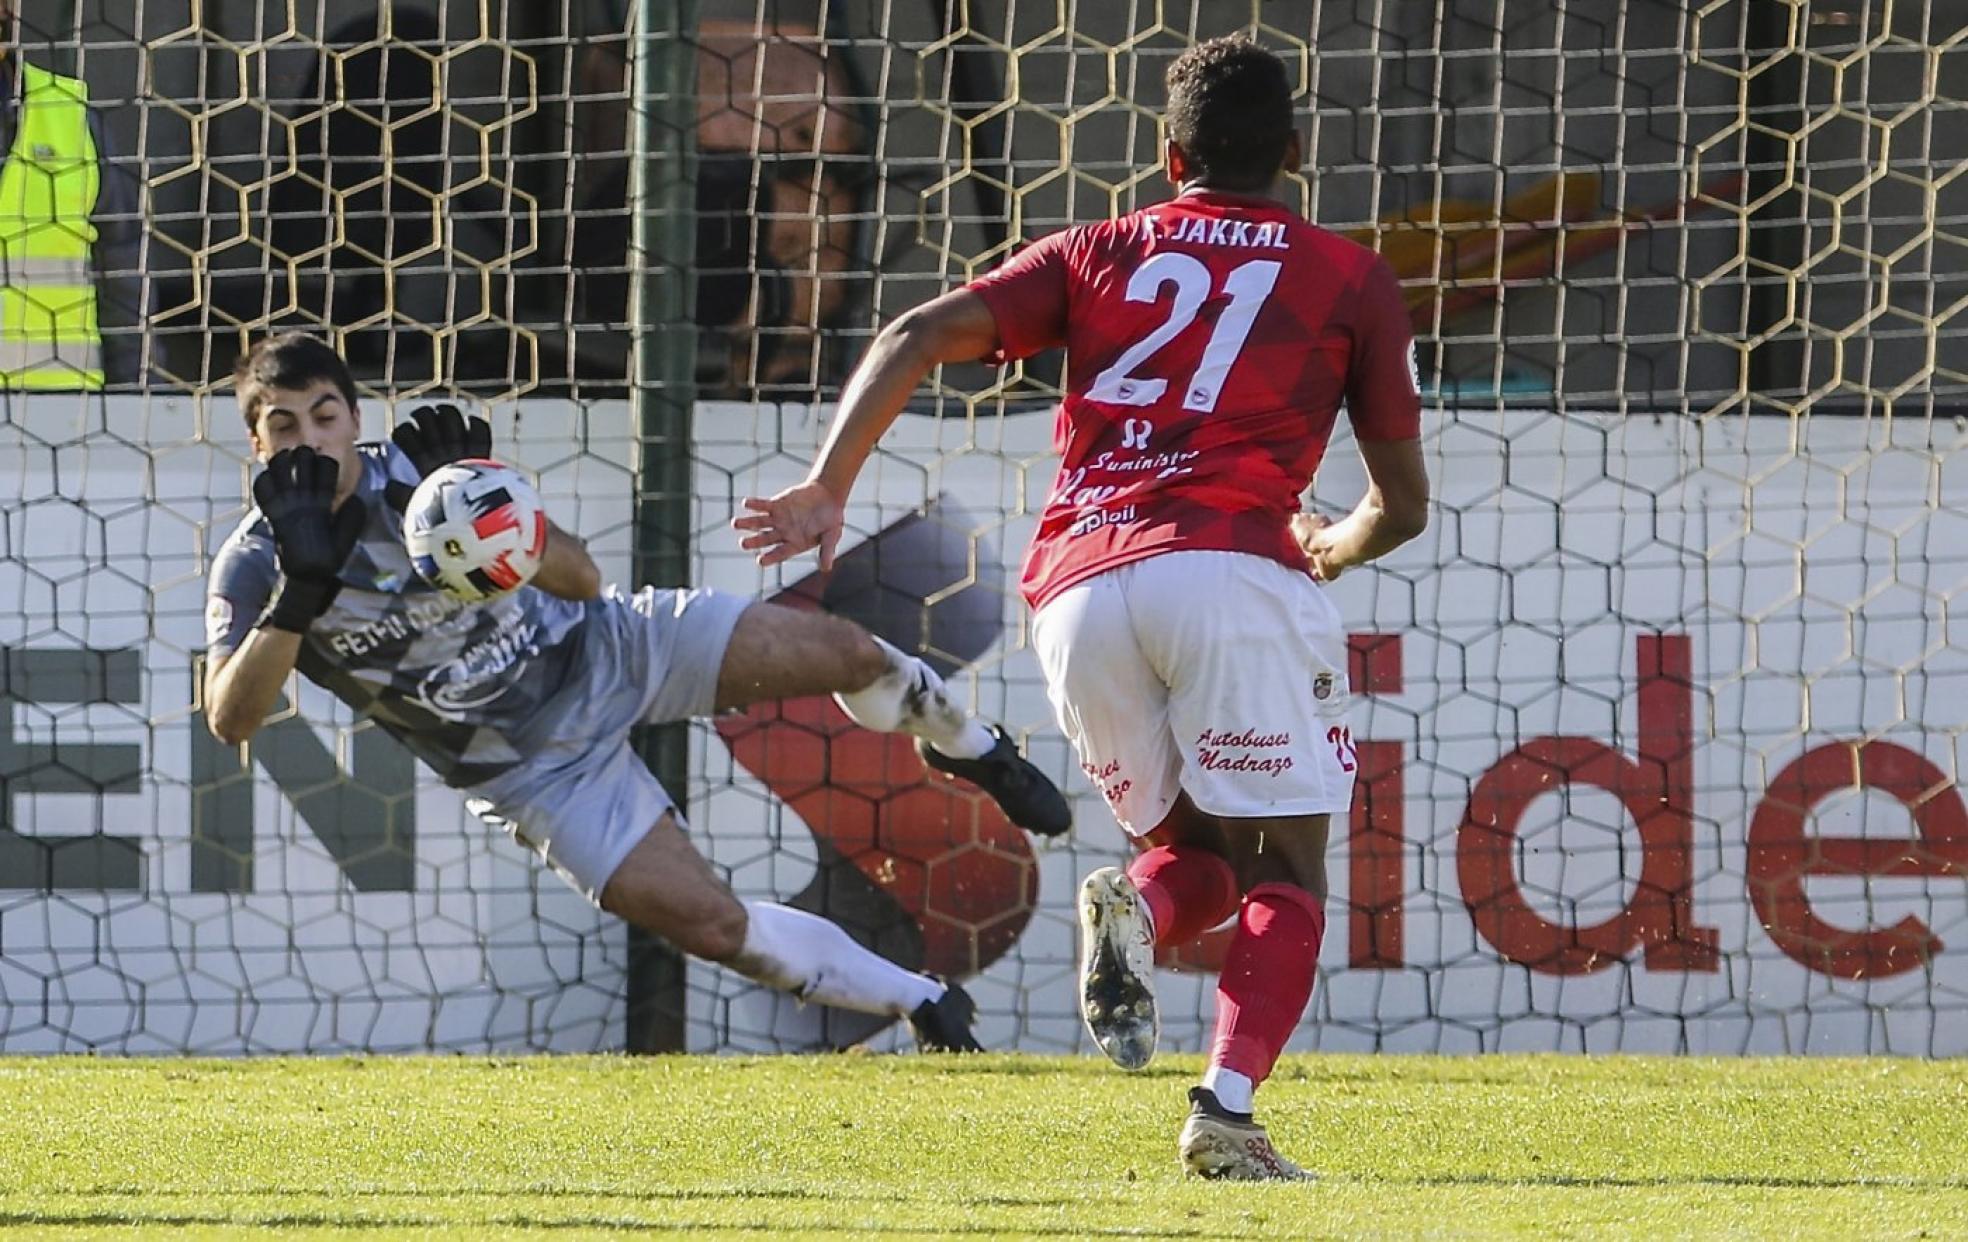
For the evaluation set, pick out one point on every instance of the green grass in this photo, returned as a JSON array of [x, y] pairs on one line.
[[855, 1146]]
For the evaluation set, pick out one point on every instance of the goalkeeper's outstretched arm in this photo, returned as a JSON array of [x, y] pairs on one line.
[[566, 569], [242, 686], [957, 327]]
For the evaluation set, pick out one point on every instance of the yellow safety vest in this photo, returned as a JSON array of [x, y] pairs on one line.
[[48, 333]]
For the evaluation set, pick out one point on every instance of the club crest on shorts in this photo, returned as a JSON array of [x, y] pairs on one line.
[[1322, 687]]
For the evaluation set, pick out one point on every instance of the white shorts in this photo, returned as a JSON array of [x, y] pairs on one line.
[[1219, 673]]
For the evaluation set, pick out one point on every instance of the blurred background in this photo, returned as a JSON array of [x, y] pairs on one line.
[[1752, 205]]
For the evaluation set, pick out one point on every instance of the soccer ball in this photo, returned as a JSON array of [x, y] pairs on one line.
[[475, 529]]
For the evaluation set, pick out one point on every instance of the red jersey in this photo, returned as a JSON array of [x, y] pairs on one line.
[[1211, 341]]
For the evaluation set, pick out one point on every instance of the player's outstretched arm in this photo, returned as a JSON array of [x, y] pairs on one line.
[[242, 687], [566, 569], [957, 327], [1394, 510]]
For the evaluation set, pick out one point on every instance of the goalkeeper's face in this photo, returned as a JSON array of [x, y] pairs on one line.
[[317, 416]]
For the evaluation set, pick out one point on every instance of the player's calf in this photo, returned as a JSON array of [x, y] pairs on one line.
[[781, 653], [1167, 895], [1187, 889], [1263, 987], [664, 886], [775, 652], [815, 960]]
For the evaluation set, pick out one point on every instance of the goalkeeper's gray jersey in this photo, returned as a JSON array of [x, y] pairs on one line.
[[471, 689]]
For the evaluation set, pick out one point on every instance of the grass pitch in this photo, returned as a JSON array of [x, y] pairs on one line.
[[855, 1146]]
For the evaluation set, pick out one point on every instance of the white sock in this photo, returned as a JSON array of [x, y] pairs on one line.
[[816, 961], [1231, 1089], [910, 698]]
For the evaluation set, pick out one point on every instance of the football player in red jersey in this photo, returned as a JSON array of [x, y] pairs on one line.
[[1190, 654]]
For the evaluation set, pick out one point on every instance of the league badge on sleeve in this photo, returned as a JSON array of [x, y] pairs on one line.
[[218, 620]]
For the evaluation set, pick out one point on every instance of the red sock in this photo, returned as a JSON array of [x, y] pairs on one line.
[[1267, 978], [1188, 890]]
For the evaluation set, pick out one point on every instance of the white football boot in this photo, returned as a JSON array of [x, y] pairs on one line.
[[1219, 1144], [1117, 969]]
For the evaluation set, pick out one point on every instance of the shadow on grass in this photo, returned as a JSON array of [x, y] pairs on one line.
[[1024, 1065], [858, 1204], [1583, 1182], [304, 1220], [461, 1193]]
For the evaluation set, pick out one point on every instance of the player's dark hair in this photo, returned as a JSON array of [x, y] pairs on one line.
[[1230, 110], [288, 360]]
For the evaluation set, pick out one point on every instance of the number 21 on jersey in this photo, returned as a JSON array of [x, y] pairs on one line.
[[1247, 286]]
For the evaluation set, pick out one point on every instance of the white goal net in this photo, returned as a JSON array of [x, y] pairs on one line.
[[1660, 723]]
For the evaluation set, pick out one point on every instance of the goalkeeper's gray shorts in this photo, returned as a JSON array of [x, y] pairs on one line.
[[586, 799]]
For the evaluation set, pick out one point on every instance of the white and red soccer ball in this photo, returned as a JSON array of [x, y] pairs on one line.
[[475, 529]]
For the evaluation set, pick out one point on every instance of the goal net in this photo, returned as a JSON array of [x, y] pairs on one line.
[[1658, 726]]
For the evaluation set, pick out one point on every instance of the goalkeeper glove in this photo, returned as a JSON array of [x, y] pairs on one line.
[[437, 435], [296, 493]]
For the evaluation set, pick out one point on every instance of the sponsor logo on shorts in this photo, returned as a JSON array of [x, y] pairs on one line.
[[1229, 751], [1107, 778]]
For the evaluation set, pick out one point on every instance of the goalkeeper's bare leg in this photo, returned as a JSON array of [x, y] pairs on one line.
[[666, 887], [778, 652]]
